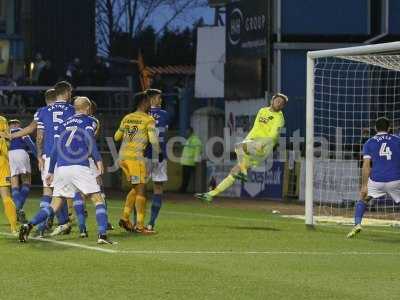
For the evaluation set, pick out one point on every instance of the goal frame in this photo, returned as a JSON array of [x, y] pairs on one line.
[[311, 57]]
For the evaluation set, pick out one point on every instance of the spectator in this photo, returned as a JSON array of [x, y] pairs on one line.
[[48, 75], [99, 73], [38, 66], [74, 73], [190, 157]]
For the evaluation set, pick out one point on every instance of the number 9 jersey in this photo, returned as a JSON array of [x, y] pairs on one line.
[[384, 151]]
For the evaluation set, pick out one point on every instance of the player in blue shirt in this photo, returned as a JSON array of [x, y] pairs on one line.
[[157, 166], [380, 170], [20, 166], [75, 143], [49, 119]]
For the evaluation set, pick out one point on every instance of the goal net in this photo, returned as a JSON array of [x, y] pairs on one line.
[[348, 89]]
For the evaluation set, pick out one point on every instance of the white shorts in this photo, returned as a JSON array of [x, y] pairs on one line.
[[93, 167], [379, 189], [45, 171], [19, 162], [157, 171], [69, 180]]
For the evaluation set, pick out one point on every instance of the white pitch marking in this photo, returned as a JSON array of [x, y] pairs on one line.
[[69, 244], [189, 252]]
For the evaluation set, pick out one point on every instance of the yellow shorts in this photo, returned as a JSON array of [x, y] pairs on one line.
[[250, 156], [135, 170], [5, 173]]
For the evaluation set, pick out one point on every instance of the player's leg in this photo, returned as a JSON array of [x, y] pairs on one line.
[[79, 206], [9, 208], [159, 176], [221, 187], [21, 193], [25, 187], [131, 170], [25, 177], [101, 218], [130, 201], [103, 194], [43, 214], [140, 205], [375, 190], [64, 226], [16, 196], [239, 171], [156, 202], [84, 181], [14, 163]]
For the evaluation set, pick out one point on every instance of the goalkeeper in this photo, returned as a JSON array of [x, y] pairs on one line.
[[256, 147]]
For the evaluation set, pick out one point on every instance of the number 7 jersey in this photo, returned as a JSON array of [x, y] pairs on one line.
[[384, 151]]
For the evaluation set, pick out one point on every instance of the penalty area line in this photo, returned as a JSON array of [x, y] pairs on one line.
[[68, 244]]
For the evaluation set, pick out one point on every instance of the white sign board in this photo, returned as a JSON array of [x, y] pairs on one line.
[[335, 181], [210, 62]]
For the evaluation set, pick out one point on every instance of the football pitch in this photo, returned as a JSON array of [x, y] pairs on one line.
[[204, 252]]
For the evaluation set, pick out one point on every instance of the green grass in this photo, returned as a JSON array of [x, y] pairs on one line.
[[205, 252]]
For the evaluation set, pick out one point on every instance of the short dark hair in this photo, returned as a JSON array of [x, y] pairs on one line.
[[50, 95], [153, 92], [382, 124], [62, 87], [139, 98]]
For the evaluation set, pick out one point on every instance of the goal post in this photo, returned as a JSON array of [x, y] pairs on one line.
[[346, 89]]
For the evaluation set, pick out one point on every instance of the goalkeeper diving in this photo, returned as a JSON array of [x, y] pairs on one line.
[[256, 147]]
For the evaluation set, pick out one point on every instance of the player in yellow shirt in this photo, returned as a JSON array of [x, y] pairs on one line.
[[136, 131], [9, 206], [256, 147]]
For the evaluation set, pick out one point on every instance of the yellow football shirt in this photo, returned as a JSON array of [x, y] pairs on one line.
[[267, 125], [3, 142], [136, 131]]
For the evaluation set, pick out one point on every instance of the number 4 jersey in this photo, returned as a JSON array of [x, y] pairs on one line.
[[384, 151]]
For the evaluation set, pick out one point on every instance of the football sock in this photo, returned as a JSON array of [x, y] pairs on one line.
[[42, 215], [134, 216], [129, 204], [224, 185], [10, 211], [17, 197], [80, 212], [359, 213], [24, 194], [140, 209], [45, 202], [101, 218], [62, 214], [155, 208]]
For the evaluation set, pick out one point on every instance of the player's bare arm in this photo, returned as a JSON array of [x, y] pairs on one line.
[[39, 147], [25, 131]]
